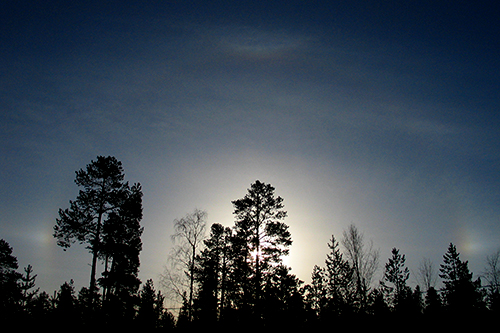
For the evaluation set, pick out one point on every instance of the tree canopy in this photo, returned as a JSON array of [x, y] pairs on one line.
[[106, 217], [235, 275], [262, 235]]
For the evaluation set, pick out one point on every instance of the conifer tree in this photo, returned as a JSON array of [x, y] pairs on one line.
[[433, 304], [394, 282], [102, 193], [282, 298], [263, 235], [27, 286], [121, 248], [339, 278], [150, 310], [315, 292], [461, 294], [10, 293], [212, 274], [66, 304]]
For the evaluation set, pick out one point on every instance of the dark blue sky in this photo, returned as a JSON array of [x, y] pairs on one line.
[[384, 115]]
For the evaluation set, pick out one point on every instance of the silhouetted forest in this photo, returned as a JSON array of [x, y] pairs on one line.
[[234, 277]]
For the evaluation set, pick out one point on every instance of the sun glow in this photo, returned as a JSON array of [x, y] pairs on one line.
[[255, 254], [284, 260]]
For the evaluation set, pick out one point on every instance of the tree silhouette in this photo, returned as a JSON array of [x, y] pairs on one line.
[[396, 275], [283, 304], [121, 246], [433, 303], [339, 281], [315, 292], [41, 309], [212, 274], [263, 237], [236, 276], [426, 274], [179, 278], [461, 294], [492, 276], [27, 286], [66, 304], [102, 193], [364, 262], [151, 313], [10, 293]]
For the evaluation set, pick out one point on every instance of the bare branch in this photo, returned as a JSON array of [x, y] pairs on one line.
[[426, 274]]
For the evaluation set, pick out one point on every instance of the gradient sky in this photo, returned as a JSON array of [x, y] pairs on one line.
[[384, 114]]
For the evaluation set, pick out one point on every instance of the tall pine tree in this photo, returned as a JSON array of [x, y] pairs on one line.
[[121, 247], [263, 238], [461, 294], [102, 193]]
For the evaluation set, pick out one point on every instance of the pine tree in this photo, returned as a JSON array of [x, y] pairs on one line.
[[102, 193], [41, 309], [263, 237], [461, 294], [121, 247]]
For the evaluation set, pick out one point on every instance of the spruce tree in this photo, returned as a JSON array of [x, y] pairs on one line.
[[339, 281], [396, 275], [315, 292], [461, 294], [27, 286]]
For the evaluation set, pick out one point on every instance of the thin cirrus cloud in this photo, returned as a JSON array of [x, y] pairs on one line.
[[255, 43], [354, 117]]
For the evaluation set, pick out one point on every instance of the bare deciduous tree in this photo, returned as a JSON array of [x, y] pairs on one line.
[[178, 277], [492, 272], [426, 274], [492, 276], [363, 259]]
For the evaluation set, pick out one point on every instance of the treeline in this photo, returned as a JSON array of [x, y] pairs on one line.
[[24, 306], [234, 277], [233, 286], [105, 216]]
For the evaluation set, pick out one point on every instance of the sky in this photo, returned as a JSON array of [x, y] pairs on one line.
[[381, 114]]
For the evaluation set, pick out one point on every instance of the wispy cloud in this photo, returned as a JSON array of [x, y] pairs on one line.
[[258, 43]]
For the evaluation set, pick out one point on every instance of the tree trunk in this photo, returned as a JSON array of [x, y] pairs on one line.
[[257, 265], [191, 284], [95, 254]]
